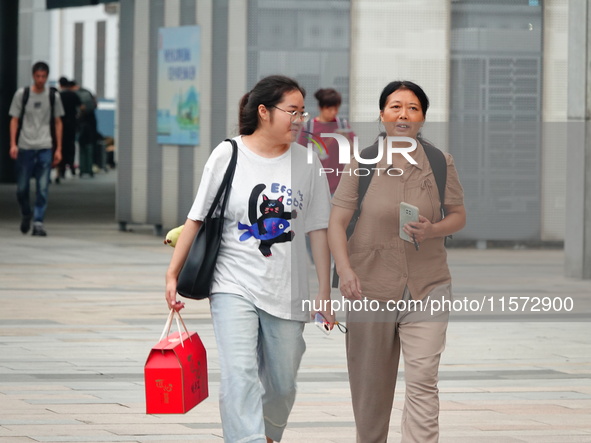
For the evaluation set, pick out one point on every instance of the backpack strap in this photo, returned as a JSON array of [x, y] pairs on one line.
[[439, 166], [364, 181], [52, 92], [26, 93], [343, 123]]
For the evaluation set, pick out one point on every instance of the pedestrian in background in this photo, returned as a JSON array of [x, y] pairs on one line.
[[87, 129], [71, 103], [35, 144], [327, 121], [378, 265]]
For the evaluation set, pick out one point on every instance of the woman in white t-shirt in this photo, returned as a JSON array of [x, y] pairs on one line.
[[260, 299]]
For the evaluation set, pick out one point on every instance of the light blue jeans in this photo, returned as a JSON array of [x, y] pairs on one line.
[[33, 163], [259, 358]]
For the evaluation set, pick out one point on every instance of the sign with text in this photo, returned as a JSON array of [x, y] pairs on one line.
[[178, 118]]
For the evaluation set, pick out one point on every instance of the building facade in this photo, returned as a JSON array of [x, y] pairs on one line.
[[494, 70]]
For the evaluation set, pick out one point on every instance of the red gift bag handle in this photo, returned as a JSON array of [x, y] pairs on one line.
[[168, 325]]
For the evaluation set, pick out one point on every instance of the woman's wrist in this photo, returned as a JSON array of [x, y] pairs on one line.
[[323, 294], [171, 275], [343, 268]]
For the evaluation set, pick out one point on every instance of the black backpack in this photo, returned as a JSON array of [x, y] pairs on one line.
[[26, 93], [438, 165]]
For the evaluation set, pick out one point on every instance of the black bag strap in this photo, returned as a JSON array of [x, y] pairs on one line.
[[342, 123], [52, 92], [439, 166], [26, 93], [226, 182], [364, 181]]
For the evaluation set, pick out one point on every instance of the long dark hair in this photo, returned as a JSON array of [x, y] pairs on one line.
[[267, 92]]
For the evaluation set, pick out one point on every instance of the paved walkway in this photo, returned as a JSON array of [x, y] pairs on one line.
[[81, 308]]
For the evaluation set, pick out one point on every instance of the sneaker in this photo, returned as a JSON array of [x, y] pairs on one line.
[[25, 224], [39, 230]]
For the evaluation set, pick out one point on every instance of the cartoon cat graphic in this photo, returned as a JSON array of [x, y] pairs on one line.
[[270, 227]]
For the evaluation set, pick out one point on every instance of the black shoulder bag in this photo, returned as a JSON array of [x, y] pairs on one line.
[[196, 276]]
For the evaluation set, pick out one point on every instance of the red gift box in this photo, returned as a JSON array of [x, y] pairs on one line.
[[176, 372]]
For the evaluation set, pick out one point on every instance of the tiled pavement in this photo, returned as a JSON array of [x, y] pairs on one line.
[[80, 309]]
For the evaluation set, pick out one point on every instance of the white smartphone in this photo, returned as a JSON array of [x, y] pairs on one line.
[[321, 323], [408, 213]]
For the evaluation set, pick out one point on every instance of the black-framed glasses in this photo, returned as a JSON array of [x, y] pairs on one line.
[[322, 323], [295, 115]]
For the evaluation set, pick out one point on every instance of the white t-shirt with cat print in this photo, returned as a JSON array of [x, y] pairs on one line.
[[273, 203]]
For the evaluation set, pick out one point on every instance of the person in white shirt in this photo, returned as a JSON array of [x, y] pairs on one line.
[[260, 283]]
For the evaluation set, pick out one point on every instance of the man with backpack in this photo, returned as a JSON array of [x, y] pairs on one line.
[[35, 144]]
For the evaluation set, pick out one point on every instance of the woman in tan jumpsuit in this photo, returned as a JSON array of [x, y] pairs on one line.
[[377, 265]]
